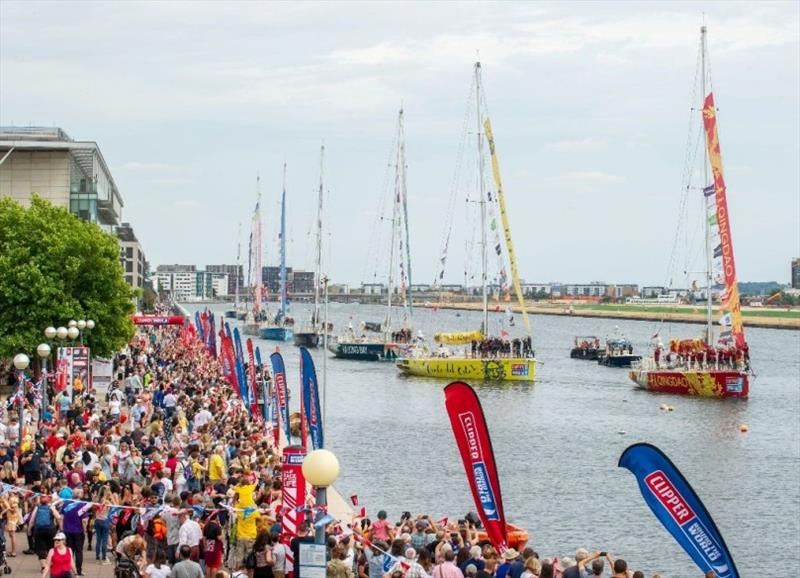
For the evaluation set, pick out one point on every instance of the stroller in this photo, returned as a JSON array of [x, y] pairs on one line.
[[4, 567]]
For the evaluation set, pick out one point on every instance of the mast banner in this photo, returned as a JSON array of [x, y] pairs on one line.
[[732, 303], [263, 385], [487, 125], [678, 508], [472, 437], [240, 375], [227, 361], [311, 398], [251, 378], [199, 325], [279, 373]]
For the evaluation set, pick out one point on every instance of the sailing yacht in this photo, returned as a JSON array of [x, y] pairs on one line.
[[700, 366], [255, 316], [384, 343], [309, 336], [280, 328], [486, 358]]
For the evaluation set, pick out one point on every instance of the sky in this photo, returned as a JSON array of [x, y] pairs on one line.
[[590, 105]]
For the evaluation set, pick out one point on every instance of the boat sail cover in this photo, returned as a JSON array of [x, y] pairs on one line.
[[458, 338], [487, 125], [717, 203]]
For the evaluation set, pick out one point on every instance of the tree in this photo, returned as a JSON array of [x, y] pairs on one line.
[[53, 268]]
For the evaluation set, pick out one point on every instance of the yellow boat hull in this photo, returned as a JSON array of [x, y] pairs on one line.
[[470, 369]]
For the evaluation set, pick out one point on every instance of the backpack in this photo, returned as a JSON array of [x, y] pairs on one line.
[[157, 528], [44, 518]]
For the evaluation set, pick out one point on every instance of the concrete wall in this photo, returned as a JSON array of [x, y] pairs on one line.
[[43, 172]]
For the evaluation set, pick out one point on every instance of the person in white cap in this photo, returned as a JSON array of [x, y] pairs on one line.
[[59, 562]]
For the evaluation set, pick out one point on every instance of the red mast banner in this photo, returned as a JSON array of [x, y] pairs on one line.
[[730, 300], [472, 437], [251, 378]]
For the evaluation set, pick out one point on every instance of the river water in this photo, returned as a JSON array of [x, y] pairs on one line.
[[557, 443]]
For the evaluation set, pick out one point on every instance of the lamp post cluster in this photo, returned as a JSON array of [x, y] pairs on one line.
[[73, 331]]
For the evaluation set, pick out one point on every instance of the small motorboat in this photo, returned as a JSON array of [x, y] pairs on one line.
[[586, 347], [618, 353]]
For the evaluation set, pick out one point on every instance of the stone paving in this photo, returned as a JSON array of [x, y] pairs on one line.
[[27, 566]]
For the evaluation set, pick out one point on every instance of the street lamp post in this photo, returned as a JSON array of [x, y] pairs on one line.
[[89, 327], [73, 333], [320, 469], [21, 362], [81, 326], [43, 351], [61, 333]]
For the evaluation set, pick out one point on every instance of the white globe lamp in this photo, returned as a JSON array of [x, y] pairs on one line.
[[21, 361], [321, 468]]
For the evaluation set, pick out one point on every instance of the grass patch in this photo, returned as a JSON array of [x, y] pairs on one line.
[[776, 313]]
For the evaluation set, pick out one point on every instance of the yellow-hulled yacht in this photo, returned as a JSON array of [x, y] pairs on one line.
[[476, 356]]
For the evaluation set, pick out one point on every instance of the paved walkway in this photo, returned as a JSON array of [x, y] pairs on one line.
[[23, 566]]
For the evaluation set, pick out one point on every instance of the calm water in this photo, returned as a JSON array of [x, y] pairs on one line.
[[557, 443]]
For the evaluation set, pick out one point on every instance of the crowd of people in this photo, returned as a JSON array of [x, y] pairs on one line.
[[166, 475], [696, 354], [500, 347]]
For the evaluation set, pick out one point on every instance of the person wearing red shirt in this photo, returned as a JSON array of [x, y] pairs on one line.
[[55, 441]]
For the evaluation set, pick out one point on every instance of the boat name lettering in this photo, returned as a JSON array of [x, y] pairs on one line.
[[668, 380], [354, 349], [725, 239]]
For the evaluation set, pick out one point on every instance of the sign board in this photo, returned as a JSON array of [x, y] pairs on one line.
[[102, 372], [72, 366], [313, 560]]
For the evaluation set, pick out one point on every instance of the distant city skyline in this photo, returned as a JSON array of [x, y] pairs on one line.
[[589, 104]]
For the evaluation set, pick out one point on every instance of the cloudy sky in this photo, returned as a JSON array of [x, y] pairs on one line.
[[589, 101]]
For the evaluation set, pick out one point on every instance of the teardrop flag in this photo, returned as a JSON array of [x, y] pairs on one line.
[[311, 398], [279, 373], [472, 437], [678, 508]]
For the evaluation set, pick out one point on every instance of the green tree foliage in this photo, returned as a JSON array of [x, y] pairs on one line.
[[53, 268]]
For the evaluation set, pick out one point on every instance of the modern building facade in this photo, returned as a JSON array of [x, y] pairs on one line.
[[796, 273], [235, 275], [271, 278], [132, 257], [187, 283], [71, 174], [302, 282]]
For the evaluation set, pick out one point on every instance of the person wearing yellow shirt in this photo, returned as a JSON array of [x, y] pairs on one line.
[[246, 533], [216, 466]]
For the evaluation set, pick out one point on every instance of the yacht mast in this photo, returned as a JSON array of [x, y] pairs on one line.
[[395, 216], [318, 272], [709, 321], [283, 248], [238, 259], [255, 248], [482, 199], [409, 302]]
